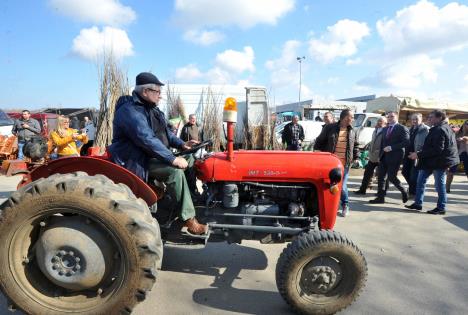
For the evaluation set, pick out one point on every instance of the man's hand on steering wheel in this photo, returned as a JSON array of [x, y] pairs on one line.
[[189, 144], [193, 146]]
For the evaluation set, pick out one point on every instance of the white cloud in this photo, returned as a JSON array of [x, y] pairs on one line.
[[236, 61], [243, 82], [466, 78], [102, 12], [188, 73], [360, 88], [341, 40], [355, 61], [408, 73], [217, 75], [204, 38], [229, 64], [92, 43], [199, 14], [424, 27], [306, 92], [284, 78], [284, 70], [332, 80]]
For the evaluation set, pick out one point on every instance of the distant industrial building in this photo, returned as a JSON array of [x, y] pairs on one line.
[[365, 98], [309, 110]]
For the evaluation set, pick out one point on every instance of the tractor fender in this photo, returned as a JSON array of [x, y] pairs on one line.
[[95, 166]]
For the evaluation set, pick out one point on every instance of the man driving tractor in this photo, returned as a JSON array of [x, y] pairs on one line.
[[141, 143]]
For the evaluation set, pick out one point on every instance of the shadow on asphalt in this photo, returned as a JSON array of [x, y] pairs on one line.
[[461, 221], [392, 203], [234, 258]]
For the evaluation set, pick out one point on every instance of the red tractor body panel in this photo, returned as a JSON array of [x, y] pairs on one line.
[[278, 166], [94, 166], [246, 166]]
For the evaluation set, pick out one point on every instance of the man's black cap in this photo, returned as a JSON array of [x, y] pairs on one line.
[[147, 78]]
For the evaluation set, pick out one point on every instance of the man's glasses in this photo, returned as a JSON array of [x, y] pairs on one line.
[[155, 91]]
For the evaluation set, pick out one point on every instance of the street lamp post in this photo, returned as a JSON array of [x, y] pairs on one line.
[[299, 59]]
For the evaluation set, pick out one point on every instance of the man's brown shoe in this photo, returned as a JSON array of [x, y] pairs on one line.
[[194, 227]]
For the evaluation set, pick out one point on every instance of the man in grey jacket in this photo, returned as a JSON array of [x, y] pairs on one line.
[[418, 133], [374, 155], [25, 128]]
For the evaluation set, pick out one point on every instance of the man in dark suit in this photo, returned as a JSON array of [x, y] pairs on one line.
[[396, 138]]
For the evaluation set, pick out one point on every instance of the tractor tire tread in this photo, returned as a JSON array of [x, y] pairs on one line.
[[143, 228], [299, 248]]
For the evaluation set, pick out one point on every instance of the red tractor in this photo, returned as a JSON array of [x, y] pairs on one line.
[[81, 235]]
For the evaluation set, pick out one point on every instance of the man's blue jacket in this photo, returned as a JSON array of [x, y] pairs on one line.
[[134, 141]]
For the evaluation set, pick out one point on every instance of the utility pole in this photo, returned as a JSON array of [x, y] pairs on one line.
[[299, 59]]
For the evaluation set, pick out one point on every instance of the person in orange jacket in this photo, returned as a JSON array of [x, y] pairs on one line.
[[64, 138]]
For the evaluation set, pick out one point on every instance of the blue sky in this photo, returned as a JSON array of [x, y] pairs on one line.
[[49, 48]]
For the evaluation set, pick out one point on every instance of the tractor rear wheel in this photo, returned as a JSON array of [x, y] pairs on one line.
[[320, 272], [80, 244]]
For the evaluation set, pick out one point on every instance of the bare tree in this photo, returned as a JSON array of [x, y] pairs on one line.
[[113, 83], [175, 106], [212, 118]]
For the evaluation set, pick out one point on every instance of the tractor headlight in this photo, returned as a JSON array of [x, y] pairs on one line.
[[335, 175], [335, 178]]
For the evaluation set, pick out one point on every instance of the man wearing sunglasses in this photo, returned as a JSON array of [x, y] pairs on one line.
[[141, 143]]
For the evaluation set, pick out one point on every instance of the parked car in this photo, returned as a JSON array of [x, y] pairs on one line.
[[311, 131], [364, 124], [6, 124]]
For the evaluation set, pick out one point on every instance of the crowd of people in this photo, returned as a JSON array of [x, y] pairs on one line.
[[143, 139], [420, 151], [425, 149], [69, 138]]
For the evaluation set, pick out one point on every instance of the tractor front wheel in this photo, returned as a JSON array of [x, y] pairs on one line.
[[80, 244], [320, 272]]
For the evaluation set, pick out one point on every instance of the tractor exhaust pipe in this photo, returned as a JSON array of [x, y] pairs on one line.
[[230, 117], [230, 140]]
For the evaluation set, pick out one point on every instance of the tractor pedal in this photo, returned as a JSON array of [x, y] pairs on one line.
[[185, 238], [186, 233]]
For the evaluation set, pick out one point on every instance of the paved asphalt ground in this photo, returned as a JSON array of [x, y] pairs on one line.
[[418, 264]]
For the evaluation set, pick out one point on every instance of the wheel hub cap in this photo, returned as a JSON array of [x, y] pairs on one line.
[[66, 263], [323, 278], [320, 276], [74, 253]]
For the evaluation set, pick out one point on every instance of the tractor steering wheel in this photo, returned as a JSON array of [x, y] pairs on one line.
[[195, 148]]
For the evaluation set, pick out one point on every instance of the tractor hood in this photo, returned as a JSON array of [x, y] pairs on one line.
[[271, 166], [315, 168]]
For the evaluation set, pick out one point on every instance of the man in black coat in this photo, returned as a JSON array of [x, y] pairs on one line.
[[340, 139], [438, 154], [394, 142], [141, 143], [293, 135]]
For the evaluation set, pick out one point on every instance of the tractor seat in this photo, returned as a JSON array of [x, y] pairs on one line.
[[96, 152]]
